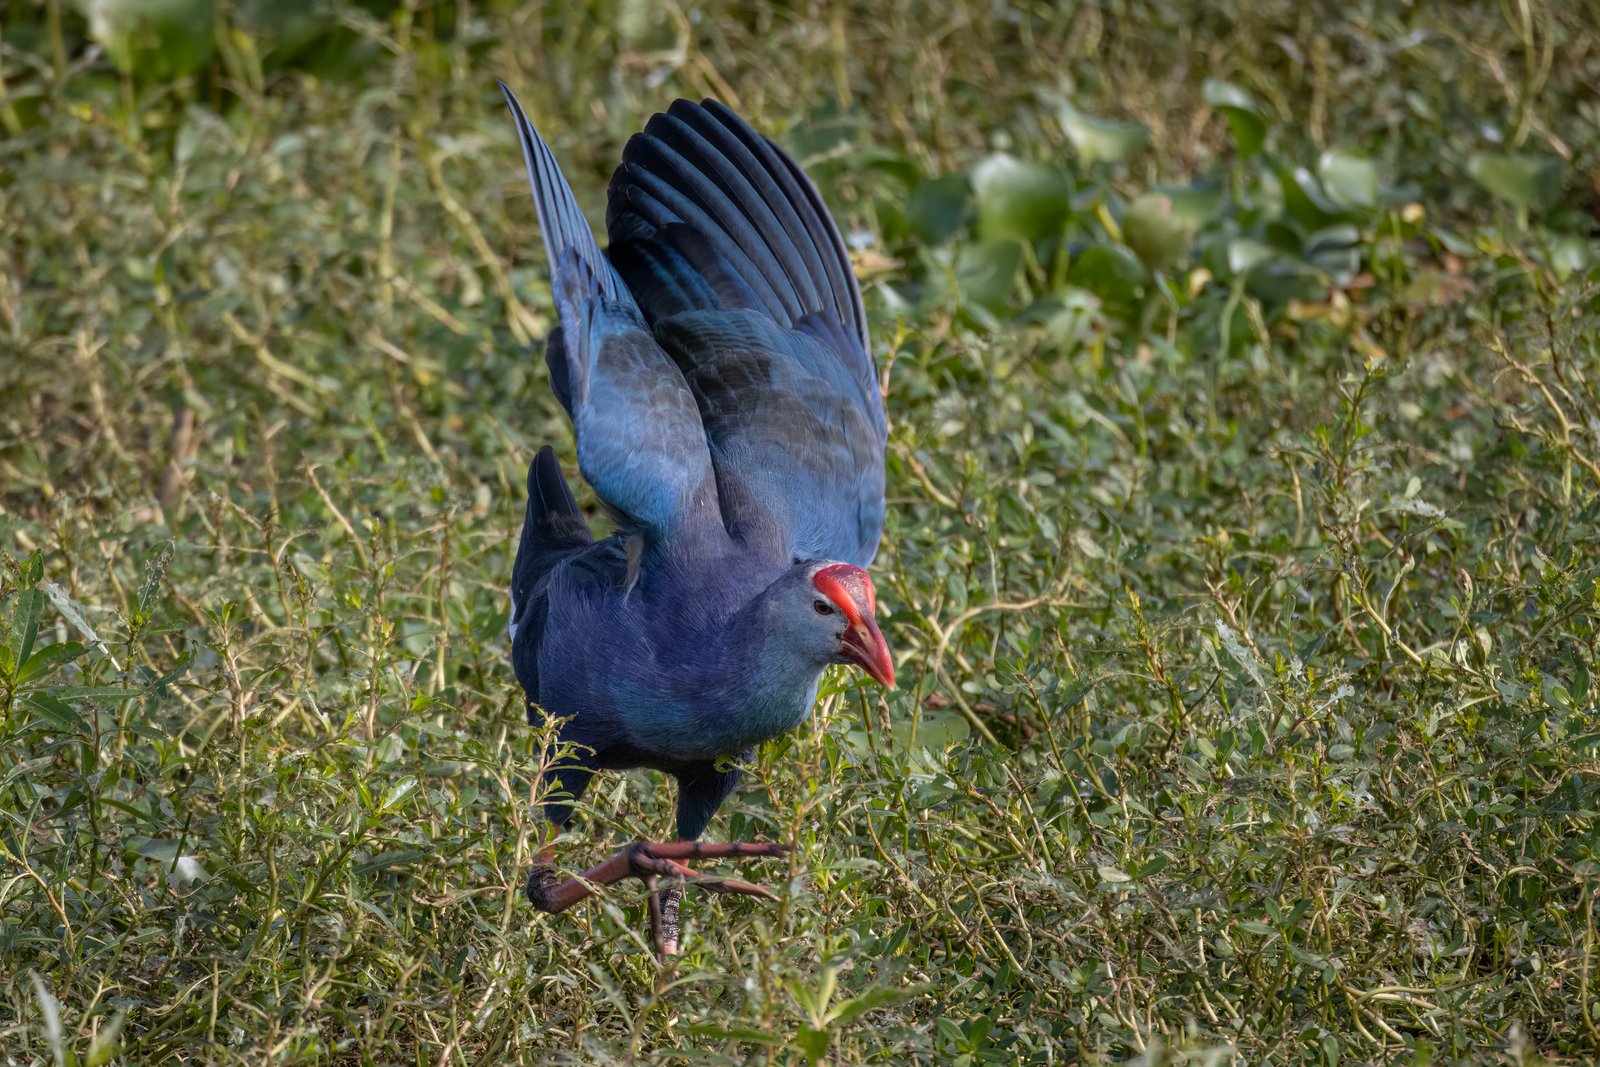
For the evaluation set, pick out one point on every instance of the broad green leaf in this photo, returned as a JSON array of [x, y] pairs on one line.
[[1155, 232], [1195, 204], [1569, 254], [26, 620], [938, 209], [934, 731], [1336, 250], [1114, 274], [58, 713], [50, 1012], [107, 1042], [69, 610], [278, 26], [49, 658], [398, 792], [97, 692], [1017, 198], [157, 40], [1244, 117], [813, 1042], [1245, 253], [1098, 140], [1350, 179], [1523, 181], [736, 1033], [986, 272], [1305, 199]]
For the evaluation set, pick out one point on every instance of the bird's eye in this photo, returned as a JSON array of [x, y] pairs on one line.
[[822, 607]]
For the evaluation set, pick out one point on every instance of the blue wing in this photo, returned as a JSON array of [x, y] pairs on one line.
[[738, 267], [641, 442]]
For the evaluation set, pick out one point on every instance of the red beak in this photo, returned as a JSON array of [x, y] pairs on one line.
[[863, 645]]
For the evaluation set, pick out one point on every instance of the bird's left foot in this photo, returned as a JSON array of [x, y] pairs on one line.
[[649, 862]]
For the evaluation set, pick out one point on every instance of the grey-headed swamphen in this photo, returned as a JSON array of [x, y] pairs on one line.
[[714, 361]]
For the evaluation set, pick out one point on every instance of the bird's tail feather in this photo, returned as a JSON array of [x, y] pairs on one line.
[[552, 528]]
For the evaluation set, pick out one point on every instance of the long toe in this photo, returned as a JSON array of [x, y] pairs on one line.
[[716, 850], [733, 885]]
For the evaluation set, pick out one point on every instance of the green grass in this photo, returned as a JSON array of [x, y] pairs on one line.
[[1242, 567]]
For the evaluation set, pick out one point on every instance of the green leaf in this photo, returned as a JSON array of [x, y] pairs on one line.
[[50, 1012], [879, 996], [1522, 181], [1350, 179], [1245, 253], [1100, 140], [394, 858], [1155, 233], [1195, 204], [1114, 274], [398, 792], [812, 1042], [97, 692], [934, 731], [1244, 118], [69, 611], [1020, 199], [157, 40], [49, 658], [58, 713], [1304, 198], [1156, 865], [986, 272], [737, 1033], [938, 209], [26, 619]]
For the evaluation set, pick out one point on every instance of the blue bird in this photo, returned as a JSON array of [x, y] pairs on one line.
[[715, 363]]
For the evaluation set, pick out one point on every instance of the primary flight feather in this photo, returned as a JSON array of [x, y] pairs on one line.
[[716, 366]]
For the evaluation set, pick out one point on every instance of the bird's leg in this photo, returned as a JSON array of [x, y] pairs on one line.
[[664, 919], [648, 861]]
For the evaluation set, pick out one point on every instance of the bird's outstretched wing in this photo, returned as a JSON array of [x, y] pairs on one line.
[[641, 442], [741, 272]]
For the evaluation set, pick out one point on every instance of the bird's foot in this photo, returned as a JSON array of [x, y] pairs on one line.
[[650, 862]]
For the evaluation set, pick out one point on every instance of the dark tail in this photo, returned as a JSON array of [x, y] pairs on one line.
[[551, 529]]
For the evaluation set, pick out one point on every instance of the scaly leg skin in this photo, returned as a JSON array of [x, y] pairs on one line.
[[649, 861], [666, 905]]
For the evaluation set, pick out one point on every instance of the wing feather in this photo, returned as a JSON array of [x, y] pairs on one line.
[[737, 265], [641, 441]]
